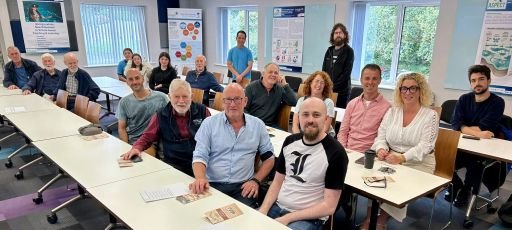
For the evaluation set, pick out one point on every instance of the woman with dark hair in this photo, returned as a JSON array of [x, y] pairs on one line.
[[143, 67], [161, 76]]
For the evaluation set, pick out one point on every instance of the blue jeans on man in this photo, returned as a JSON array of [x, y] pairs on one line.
[[276, 211]]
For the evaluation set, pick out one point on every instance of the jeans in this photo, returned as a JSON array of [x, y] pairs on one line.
[[276, 211], [234, 190]]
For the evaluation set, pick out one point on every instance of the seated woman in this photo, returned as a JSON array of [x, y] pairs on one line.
[[161, 76], [143, 67], [407, 134], [318, 85]]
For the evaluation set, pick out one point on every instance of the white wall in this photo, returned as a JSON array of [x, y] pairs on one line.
[[151, 13]]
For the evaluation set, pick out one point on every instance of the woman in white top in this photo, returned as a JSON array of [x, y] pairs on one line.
[[318, 85], [143, 67], [407, 134]]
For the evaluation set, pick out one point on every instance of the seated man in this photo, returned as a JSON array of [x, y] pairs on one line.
[[19, 70], [77, 81], [200, 78], [364, 113], [266, 95], [478, 114], [310, 173], [127, 53], [45, 81], [135, 110], [175, 126], [226, 148]]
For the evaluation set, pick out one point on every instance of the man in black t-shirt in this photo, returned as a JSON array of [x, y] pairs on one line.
[[310, 173]]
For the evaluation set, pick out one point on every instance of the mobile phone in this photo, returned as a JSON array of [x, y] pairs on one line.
[[136, 159], [470, 137], [271, 135], [360, 160]]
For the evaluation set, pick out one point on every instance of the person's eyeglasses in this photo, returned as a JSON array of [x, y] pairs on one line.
[[411, 89], [237, 100]]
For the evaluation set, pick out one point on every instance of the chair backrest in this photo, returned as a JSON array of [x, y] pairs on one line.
[[185, 70], [218, 77], [333, 122], [93, 112], [217, 102], [355, 92], [300, 91], [255, 75], [197, 95], [81, 103], [283, 117], [447, 112], [445, 152], [62, 98], [294, 82], [334, 97]]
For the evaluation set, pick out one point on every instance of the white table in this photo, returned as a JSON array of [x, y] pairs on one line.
[[494, 148], [107, 82], [24, 103], [8, 92], [118, 91], [94, 163], [123, 200]]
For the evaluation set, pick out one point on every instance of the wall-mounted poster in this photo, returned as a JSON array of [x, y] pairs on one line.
[[288, 37], [185, 36], [495, 47], [44, 26]]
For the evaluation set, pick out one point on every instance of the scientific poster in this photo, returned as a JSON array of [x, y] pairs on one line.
[[288, 37], [495, 47], [185, 36], [44, 26]]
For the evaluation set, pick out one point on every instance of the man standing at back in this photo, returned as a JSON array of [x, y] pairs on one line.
[[19, 70], [477, 113], [240, 60], [135, 110], [338, 61]]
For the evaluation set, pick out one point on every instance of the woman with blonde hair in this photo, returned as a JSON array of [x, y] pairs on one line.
[[407, 134], [318, 85]]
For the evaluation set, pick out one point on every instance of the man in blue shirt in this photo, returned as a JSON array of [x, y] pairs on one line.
[[240, 60], [200, 78], [45, 81], [19, 70], [226, 147], [127, 53]]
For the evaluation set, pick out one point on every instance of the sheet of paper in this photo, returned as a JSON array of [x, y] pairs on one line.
[[14, 109], [190, 197], [165, 192], [225, 213], [124, 163]]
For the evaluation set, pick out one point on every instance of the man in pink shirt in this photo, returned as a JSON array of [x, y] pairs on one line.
[[364, 113]]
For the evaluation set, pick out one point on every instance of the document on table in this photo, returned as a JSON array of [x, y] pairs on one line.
[[225, 213], [165, 192], [14, 109]]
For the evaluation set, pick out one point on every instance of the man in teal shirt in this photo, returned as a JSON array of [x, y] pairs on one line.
[[240, 60]]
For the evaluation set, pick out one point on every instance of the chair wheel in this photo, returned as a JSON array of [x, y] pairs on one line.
[[52, 218], [491, 209], [38, 200], [19, 175], [8, 164], [467, 224]]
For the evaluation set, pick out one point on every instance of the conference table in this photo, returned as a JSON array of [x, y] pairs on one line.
[[108, 82], [111, 86], [24, 103], [409, 184]]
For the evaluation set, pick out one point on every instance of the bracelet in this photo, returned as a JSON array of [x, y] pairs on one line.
[[256, 180]]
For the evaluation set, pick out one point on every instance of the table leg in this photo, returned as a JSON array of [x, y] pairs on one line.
[[374, 214], [109, 111]]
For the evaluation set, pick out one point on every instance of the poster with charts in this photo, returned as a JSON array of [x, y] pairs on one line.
[[495, 46], [185, 36], [288, 37], [44, 26]]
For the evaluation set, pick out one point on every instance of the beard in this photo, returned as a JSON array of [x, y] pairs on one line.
[[311, 134], [339, 41], [484, 90]]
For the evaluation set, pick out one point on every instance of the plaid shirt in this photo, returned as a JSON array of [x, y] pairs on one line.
[[72, 84]]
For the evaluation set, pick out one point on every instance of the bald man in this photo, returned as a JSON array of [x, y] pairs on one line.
[[200, 78], [310, 173], [226, 148], [76, 81], [19, 70]]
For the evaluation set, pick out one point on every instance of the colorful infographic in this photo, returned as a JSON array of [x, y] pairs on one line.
[[44, 26], [495, 47], [185, 36], [288, 37]]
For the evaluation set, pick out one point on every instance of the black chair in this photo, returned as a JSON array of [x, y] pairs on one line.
[[355, 92], [294, 82], [255, 75], [447, 110]]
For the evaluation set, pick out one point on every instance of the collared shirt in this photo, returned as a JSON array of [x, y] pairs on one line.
[[71, 83], [229, 158], [265, 104], [361, 122]]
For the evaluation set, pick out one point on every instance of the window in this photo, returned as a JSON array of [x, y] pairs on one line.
[[234, 20], [108, 29], [397, 36]]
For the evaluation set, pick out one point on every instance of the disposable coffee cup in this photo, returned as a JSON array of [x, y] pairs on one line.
[[369, 158]]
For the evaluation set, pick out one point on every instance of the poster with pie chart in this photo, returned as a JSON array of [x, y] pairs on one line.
[[185, 28]]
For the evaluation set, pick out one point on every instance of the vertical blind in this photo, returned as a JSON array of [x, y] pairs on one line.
[[108, 29]]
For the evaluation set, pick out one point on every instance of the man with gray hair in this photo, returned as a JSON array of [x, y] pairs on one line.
[[175, 126], [200, 78], [19, 70], [45, 81]]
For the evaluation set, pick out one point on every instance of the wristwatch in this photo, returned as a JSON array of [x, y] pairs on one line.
[[256, 180]]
